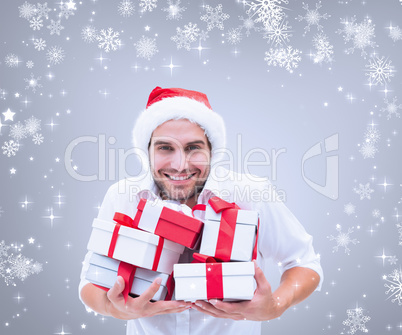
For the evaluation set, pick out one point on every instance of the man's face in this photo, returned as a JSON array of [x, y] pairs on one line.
[[179, 159]]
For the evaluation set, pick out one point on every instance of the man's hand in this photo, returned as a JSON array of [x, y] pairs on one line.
[[262, 307], [112, 303]]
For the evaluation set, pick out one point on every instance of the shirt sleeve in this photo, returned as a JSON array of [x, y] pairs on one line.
[[284, 239]]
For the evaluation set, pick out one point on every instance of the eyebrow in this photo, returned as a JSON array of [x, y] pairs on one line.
[[189, 143]]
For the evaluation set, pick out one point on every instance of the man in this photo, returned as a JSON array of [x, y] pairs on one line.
[[180, 135]]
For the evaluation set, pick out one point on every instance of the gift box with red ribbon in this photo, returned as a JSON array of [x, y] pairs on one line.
[[230, 281], [169, 221], [230, 233], [121, 241]]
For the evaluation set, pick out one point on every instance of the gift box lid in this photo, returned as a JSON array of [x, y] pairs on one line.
[[243, 216], [199, 269], [137, 234], [113, 265]]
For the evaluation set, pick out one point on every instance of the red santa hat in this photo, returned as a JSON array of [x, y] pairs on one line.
[[166, 104]]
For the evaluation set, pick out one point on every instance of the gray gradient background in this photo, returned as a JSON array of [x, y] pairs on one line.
[[267, 106]]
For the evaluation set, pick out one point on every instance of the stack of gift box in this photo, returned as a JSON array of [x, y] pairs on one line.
[[149, 245]]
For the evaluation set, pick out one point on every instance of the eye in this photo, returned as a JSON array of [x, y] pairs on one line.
[[165, 147], [193, 147]]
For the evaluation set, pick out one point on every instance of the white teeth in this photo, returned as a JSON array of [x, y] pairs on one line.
[[180, 178]]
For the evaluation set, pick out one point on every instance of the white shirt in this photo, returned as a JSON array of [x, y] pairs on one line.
[[281, 237]]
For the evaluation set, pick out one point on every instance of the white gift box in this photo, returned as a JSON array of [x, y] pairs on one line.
[[102, 271], [244, 236], [237, 281], [134, 246]]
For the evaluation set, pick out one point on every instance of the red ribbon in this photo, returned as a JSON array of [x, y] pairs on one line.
[[125, 220], [170, 284], [214, 280]]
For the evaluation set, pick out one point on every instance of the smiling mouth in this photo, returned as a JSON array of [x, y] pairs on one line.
[[186, 177]]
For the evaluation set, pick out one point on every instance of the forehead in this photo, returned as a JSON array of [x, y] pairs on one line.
[[182, 130]]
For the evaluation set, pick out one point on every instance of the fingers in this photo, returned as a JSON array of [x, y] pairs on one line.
[[115, 293], [150, 291], [210, 309], [263, 285]]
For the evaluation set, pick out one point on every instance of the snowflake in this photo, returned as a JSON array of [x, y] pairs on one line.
[[392, 108], [146, 47], [174, 10], [395, 33], [394, 285], [148, 5], [368, 150], [288, 58], [39, 44], [18, 131], [42, 10], [185, 36], [349, 208], [10, 148], [312, 17], [29, 64], [27, 10], [376, 213], [372, 135], [36, 23], [126, 8], [11, 60], [234, 36], [55, 27], [361, 35], [399, 227], [89, 34], [324, 50], [33, 83], [342, 239], [278, 33], [108, 40], [66, 11], [248, 24], [1, 213], [55, 55], [356, 320], [32, 125], [37, 138], [364, 191], [269, 12], [214, 17], [203, 35], [379, 71], [392, 260]]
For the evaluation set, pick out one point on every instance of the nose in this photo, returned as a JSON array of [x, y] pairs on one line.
[[179, 161]]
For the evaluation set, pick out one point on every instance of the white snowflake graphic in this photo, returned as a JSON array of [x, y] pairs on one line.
[[27, 10], [267, 12], [356, 320], [323, 49], [37, 138], [372, 135], [18, 131], [174, 10], [146, 47], [89, 34], [32, 125], [248, 25], [376, 213], [394, 286], [126, 8], [29, 64], [342, 239], [349, 208], [55, 55], [33, 83], [312, 17], [391, 108], [364, 191], [395, 33], [278, 33], [42, 10], [361, 35], [379, 70], [368, 150], [184, 37], [12, 60], [234, 36], [10, 148], [14, 267], [399, 227], [39, 44], [288, 58], [108, 40], [36, 23], [214, 17], [55, 27], [1, 249], [392, 260], [66, 11], [148, 5]]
